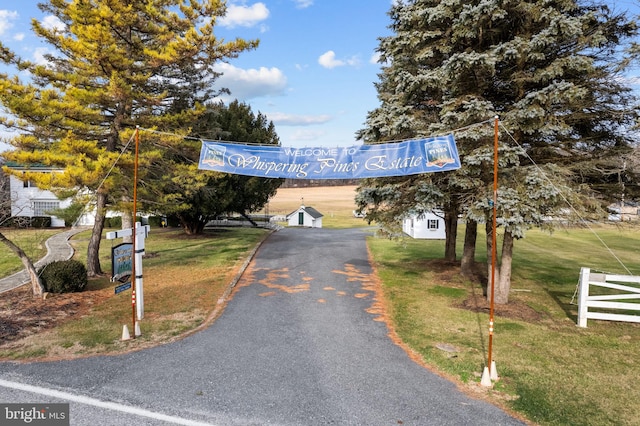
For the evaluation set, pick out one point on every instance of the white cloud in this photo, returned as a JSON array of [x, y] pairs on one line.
[[6, 16], [297, 120], [38, 56], [307, 135], [51, 22], [303, 4], [354, 61], [244, 16], [18, 37], [632, 80], [328, 60], [251, 83]]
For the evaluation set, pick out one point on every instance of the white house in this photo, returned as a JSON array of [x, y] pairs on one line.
[[305, 216], [430, 226], [27, 200]]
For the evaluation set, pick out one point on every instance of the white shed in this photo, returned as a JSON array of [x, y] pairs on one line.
[[430, 226], [305, 216]]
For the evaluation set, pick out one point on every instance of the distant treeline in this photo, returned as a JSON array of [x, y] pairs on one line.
[[308, 183]]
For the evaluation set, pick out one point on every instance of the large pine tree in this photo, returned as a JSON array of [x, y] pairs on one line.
[[117, 65], [549, 69]]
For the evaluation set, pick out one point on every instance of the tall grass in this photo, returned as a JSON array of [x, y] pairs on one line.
[[551, 371]]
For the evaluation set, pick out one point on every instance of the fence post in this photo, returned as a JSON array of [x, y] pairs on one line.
[[583, 293]]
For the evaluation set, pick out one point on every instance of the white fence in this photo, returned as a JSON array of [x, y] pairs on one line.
[[607, 301]]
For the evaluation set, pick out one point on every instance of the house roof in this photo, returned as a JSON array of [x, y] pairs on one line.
[[309, 210], [313, 212], [32, 167]]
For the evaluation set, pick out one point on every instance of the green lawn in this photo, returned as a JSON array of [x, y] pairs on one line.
[[32, 241], [550, 370], [184, 277]]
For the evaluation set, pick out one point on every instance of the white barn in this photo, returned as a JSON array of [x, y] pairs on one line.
[[305, 216], [430, 226]]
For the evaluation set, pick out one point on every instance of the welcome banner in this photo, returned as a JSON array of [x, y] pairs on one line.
[[416, 156]]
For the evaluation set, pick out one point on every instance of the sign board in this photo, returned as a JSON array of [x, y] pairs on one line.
[[122, 287], [121, 261], [137, 296], [402, 158]]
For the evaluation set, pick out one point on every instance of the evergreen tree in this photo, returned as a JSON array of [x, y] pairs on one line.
[[194, 196], [549, 69], [117, 65]]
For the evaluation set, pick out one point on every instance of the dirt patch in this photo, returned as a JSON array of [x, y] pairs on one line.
[[447, 273], [23, 315], [513, 310]]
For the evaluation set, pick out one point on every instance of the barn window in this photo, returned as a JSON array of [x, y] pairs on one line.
[[432, 224]]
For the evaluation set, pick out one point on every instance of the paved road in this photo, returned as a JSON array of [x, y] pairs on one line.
[[298, 344]]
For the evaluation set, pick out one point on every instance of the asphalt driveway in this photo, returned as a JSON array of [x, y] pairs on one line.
[[300, 343]]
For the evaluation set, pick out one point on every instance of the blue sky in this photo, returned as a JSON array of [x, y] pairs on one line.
[[313, 74]]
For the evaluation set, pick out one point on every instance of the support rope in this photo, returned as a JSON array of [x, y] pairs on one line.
[[585, 222]]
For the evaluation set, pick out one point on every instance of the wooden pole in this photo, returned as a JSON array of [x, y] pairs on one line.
[[133, 234], [493, 240]]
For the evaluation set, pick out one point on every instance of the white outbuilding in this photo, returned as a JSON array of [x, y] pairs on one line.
[[305, 216], [429, 226]]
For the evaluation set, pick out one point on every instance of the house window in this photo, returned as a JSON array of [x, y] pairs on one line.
[[300, 218], [432, 224], [28, 184], [40, 208]]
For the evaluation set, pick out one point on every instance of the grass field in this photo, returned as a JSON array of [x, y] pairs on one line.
[[336, 203]]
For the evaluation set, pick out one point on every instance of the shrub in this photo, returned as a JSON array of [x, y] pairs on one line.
[[64, 276], [113, 222], [29, 222]]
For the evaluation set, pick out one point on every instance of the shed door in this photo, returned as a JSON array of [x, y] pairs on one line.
[[300, 218]]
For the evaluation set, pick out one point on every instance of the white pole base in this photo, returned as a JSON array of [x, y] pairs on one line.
[[137, 329], [494, 372], [486, 379], [125, 333]]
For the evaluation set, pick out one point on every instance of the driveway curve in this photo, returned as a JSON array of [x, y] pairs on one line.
[[299, 344]]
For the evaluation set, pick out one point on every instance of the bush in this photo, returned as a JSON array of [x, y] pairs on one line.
[[29, 222], [113, 222], [64, 276]]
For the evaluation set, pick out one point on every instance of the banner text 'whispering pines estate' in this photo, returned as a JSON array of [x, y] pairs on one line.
[[359, 161]]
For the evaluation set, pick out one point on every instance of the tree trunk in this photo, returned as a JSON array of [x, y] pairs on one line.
[[451, 232], [469, 250], [93, 250], [251, 221], [504, 284], [36, 284], [127, 223], [490, 272], [192, 226]]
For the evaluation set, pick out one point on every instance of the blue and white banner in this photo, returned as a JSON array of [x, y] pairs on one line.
[[409, 157]]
